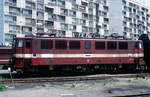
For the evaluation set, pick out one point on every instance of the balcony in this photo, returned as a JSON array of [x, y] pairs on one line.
[[82, 8], [61, 3], [27, 13], [64, 11], [14, 11], [49, 24], [10, 19], [60, 18], [40, 7], [11, 2], [52, 2], [30, 5], [14, 31], [27, 30], [40, 1], [40, 15]]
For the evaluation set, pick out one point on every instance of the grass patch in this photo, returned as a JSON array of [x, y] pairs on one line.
[[2, 86], [1, 67]]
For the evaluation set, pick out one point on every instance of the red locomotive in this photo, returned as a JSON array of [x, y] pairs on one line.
[[6, 56], [36, 53]]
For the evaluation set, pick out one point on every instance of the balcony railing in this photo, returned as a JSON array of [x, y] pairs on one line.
[[10, 3]]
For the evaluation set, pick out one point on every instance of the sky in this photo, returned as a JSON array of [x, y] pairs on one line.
[[145, 2]]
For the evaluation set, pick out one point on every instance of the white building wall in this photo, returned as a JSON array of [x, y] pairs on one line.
[[115, 16]]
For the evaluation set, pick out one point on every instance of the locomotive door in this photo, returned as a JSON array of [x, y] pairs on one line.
[[28, 48], [20, 46], [28, 53], [88, 51]]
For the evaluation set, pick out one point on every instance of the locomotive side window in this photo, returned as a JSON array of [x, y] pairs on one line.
[[112, 45], [20, 43], [88, 44], [28, 43], [74, 44], [123, 45], [46, 44], [99, 45], [61, 44]]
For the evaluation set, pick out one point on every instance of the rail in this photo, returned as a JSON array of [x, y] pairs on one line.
[[76, 78]]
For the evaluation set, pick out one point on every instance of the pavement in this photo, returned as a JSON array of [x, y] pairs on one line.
[[97, 88]]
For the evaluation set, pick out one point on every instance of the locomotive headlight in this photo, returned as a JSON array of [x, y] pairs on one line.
[[96, 67], [9, 69]]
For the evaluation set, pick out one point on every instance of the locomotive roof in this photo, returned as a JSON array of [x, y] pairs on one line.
[[72, 38]]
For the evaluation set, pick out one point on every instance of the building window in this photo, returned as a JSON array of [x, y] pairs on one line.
[[14, 11], [72, 13], [74, 21], [64, 11], [61, 44], [40, 7], [91, 23], [27, 30], [74, 44], [72, 27], [30, 5], [99, 45], [84, 29], [112, 45], [49, 24], [26, 12], [85, 15], [82, 22], [64, 26], [74, 6], [40, 15], [60, 18], [61, 3], [10, 19], [46, 44], [84, 3], [14, 28], [49, 10], [30, 21]]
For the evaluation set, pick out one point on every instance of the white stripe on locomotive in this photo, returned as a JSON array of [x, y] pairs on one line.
[[77, 55]]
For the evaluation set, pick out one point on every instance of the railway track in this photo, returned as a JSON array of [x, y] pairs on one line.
[[76, 78]]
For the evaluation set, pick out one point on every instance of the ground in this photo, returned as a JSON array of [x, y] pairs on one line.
[[98, 88]]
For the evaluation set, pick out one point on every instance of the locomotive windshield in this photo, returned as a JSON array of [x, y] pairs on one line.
[[20, 43], [140, 45]]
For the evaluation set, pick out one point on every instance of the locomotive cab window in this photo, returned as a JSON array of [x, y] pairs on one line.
[[28, 43], [20, 43], [46, 44], [74, 44], [61, 44], [99, 45], [87, 44], [140, 45], [123, 45], [112, 45]]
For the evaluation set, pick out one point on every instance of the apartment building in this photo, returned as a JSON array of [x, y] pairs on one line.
[[129, 18], [64, 18]]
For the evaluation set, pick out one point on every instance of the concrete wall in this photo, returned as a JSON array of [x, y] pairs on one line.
[[1, 23], [115, 16]]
